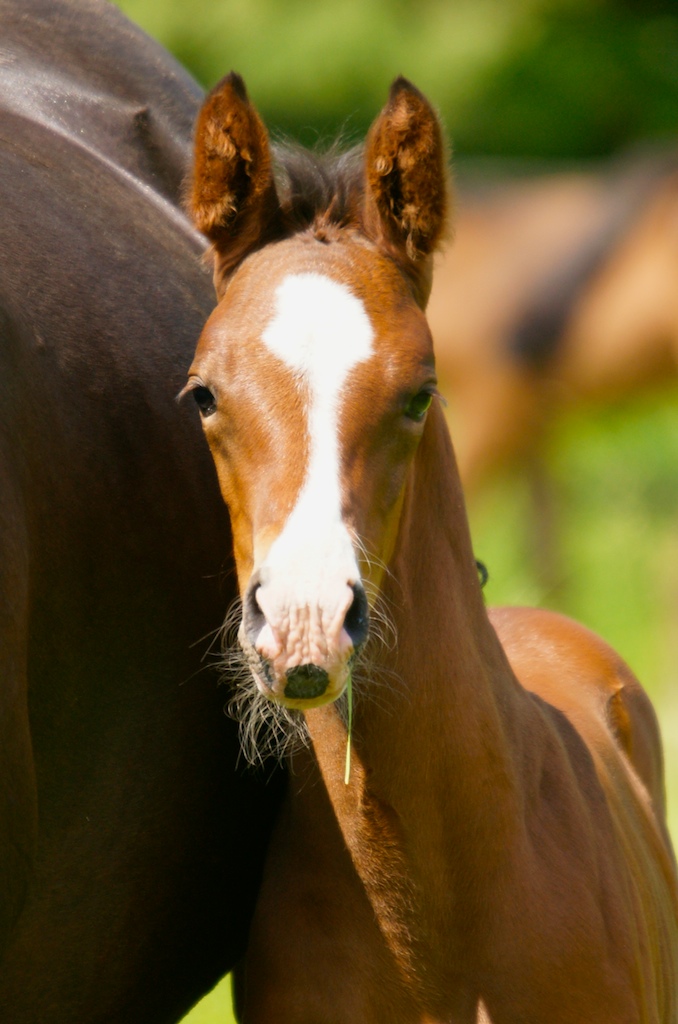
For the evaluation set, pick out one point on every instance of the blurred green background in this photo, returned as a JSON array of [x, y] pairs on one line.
[[513, 78], [530, 83]]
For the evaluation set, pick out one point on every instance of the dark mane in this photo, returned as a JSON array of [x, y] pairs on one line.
[[318, 190]]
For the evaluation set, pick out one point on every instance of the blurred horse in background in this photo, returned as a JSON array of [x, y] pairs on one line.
[[130, 845], [558, 290]]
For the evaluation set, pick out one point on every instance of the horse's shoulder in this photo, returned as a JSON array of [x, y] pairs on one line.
[[552, 648]]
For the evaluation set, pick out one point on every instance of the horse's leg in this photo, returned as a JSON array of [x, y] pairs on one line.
[[18, 815]]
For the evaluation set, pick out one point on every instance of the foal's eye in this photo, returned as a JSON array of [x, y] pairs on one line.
[[417, 407], [204, 399]]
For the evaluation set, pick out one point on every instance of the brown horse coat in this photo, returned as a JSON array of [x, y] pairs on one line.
[[130, 844]]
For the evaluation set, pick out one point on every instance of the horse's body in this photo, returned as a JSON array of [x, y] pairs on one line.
[[498, 845], [130, 844], [558, 291]]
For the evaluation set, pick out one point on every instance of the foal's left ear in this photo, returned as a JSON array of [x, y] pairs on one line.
[[233, 198], [407, 185]]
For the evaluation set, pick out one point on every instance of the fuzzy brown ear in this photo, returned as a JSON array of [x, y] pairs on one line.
[[407, 185], [232, 197]]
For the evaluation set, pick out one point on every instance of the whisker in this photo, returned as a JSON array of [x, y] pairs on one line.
[[267, 730], [211, 636], [211, 658]]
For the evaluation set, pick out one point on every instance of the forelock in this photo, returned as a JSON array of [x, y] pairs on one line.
[[319, 190]]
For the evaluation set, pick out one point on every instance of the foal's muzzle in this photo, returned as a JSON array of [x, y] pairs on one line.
[[307, 682]]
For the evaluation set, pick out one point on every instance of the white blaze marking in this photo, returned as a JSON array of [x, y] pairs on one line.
[[321, 331]]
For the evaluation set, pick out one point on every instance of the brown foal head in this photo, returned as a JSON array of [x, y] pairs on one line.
[[315, 371]]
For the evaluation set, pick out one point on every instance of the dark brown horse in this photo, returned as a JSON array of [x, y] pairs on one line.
[[495, 844], [130, 844]]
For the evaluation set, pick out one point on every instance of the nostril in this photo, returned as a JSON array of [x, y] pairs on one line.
[[357, 621], [253, 618]]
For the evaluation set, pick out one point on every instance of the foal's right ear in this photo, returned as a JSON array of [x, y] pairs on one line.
[[233, 197]]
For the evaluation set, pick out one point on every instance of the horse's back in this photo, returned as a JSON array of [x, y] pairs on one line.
[[82, 69], [575, 671]]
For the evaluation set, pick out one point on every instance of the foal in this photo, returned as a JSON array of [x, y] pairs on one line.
[[497, 844]]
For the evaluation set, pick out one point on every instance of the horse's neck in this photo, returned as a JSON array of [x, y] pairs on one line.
[[435, 761]]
